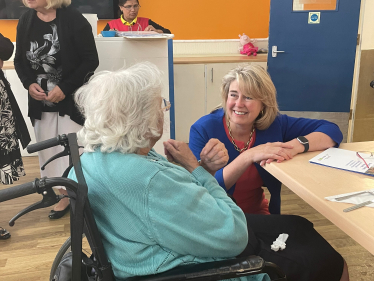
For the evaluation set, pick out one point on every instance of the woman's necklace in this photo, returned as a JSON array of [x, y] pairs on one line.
[[233, 141]]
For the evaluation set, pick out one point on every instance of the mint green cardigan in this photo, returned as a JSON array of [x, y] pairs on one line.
[[154, 215]]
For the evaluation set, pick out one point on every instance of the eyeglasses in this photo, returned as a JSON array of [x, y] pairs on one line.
[[365, 156], [165, 106], [129, 7]]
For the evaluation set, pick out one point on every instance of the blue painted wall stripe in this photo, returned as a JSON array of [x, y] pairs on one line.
[[171, 88]]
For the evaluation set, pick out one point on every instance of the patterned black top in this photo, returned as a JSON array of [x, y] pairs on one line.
[[45, 58], [79, 57]]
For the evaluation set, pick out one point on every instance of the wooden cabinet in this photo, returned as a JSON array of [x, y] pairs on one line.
[[215, 73], [197, 92], [189, 97]]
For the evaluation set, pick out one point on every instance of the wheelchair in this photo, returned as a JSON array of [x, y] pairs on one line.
[[71, 264]]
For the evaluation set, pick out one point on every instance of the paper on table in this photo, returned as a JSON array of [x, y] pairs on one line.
[[143, 34], [356, 199], [344, 160]]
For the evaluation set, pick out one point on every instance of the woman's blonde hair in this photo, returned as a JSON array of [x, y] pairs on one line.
[[122, 109], [53, 4], [255, 83]]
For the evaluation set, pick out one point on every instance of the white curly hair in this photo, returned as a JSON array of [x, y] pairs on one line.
[[122, 109]]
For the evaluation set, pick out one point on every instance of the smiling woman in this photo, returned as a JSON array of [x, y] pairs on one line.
[[253, 131], [129, 20]]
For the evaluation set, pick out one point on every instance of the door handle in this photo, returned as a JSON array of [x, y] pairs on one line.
[[274, 51], [212, 75]]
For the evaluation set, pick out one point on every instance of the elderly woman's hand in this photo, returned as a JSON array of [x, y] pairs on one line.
[[180, 153], [214, 156]]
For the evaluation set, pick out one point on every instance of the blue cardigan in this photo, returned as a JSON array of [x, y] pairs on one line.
[[154, 215], [283, 129]]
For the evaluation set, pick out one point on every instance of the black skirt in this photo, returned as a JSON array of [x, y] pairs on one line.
[[307, 257]]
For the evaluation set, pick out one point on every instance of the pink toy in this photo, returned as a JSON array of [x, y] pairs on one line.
[[247, 47]]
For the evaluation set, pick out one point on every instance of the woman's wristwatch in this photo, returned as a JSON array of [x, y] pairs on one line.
[[304, 141]]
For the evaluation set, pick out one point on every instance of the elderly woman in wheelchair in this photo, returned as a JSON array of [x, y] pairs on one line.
[[156, 213]]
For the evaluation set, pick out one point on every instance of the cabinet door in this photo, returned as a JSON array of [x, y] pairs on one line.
[[214, 75], [189, 97]]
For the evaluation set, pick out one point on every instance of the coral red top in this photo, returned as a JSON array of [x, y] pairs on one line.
[[248, 193], [140, 25]]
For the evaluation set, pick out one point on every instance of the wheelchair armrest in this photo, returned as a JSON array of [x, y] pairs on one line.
[[217, 270]]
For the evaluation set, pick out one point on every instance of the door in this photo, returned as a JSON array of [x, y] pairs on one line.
[[363, 128], [315, 71], [363, 103]]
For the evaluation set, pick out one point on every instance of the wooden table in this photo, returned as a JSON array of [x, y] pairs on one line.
[[313, 183]]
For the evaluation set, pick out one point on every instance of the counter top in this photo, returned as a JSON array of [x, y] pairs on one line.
[[197, 59], [136, 38], [180, 59]]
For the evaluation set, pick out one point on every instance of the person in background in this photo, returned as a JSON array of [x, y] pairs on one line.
[[179, 214], [250, 126], [55, 54], [12, 128], [129, 20], [12, 124]]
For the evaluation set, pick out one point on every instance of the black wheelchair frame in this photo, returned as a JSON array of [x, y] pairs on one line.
[[82, 221]]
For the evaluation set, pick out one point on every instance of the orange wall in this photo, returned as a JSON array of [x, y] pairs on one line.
[[208, 19], [8, 28]]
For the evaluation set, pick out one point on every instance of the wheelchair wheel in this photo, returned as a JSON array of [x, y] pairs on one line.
[[66, 248]]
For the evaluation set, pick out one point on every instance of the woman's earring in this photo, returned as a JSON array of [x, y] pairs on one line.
[[262, 112]]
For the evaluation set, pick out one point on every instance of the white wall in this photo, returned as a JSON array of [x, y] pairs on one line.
[[367, 34], [212, 47]]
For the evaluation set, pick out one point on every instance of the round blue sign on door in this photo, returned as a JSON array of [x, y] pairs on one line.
[[314, 17]]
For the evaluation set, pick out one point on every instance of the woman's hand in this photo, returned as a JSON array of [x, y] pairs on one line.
[[36, 92], [296, 148], [56, 95], [214, 156], [151, 28], [179, 152], [262, 154], [269, 152]]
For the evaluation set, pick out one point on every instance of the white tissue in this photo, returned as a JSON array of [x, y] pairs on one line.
[[280, 242]]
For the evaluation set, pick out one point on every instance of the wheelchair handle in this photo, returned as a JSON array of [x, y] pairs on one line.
[[18, 191], [59, 140]]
